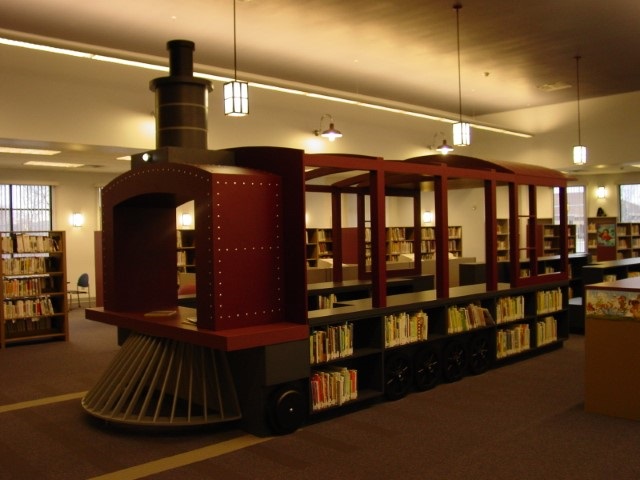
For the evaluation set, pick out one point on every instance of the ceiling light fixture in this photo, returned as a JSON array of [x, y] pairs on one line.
[[399, 109], [579, 150], [236, 94], [461, 130], [28, 151], [331, 133], [35, 163]]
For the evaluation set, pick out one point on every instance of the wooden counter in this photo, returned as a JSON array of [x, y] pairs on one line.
[[612, 348]]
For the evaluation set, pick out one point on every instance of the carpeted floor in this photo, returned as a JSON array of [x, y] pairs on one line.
[[521, 421]]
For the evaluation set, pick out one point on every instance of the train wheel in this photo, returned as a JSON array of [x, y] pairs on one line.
[[479, 354], [455, 360], [428, 368], [397, 376], [287, 410]]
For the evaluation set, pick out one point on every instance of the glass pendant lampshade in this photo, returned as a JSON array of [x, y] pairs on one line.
[[579, 154], [461, 134], [236, 98], [235, 93], [579, 151], [461, 130]]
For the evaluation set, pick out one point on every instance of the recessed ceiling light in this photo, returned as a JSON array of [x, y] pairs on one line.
[[28, 151], [54, 164]]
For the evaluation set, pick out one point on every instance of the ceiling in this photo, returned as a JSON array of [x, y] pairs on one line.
[[402, 51]]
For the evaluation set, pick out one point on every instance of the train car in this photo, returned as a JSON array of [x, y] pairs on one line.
[[252, 345]]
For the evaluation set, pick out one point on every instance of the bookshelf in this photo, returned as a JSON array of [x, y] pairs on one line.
[[400, 240], [502, 237], [186, 251], [319, 245], [34, 287], [421, 341], [551, 236]]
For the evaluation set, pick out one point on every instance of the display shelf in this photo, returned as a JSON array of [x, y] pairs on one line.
[[34, 287]]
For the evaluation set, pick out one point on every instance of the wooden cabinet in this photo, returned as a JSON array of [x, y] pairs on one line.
[[34, 287], [612, 334]]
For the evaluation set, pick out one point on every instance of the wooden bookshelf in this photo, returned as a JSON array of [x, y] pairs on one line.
[[401, 240], [186, 251], [550, 235], [319, 245], [463, 335], [34, 287], [502, 239]]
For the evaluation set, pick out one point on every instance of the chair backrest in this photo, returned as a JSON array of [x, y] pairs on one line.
[[83, 280]]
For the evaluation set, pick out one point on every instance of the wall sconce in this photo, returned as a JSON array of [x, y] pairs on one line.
[[186, 220], [601, 192], [427, 216], [444, 147], [77, 219], [331, 133]]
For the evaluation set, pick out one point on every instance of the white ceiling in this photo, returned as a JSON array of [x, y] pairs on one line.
[[396, 51]]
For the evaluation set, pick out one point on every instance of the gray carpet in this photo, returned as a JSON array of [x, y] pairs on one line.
[[521, 421]]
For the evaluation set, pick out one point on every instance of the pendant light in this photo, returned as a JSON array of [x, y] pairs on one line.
[[461, 130], [236, 94], [579, 150]]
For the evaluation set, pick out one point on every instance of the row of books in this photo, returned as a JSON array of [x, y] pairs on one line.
[[315, 236], [546, 331], [183, 258], [327, 301], [331, 342], [513, 340], [28, 308], [24, 287], [461, 319], [509, 309], [23, 325], [399, 247], [549, 300], [25, 265], [333, 386], [25, 243], [403, 328]]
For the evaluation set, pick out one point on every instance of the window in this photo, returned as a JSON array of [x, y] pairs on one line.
[[575, 213], [25, 208], [629, 203]]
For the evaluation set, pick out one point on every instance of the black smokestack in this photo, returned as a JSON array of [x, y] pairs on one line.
[[181, 101]]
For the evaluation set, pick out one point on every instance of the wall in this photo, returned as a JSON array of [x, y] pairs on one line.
[[72, 192], [80, 102]]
